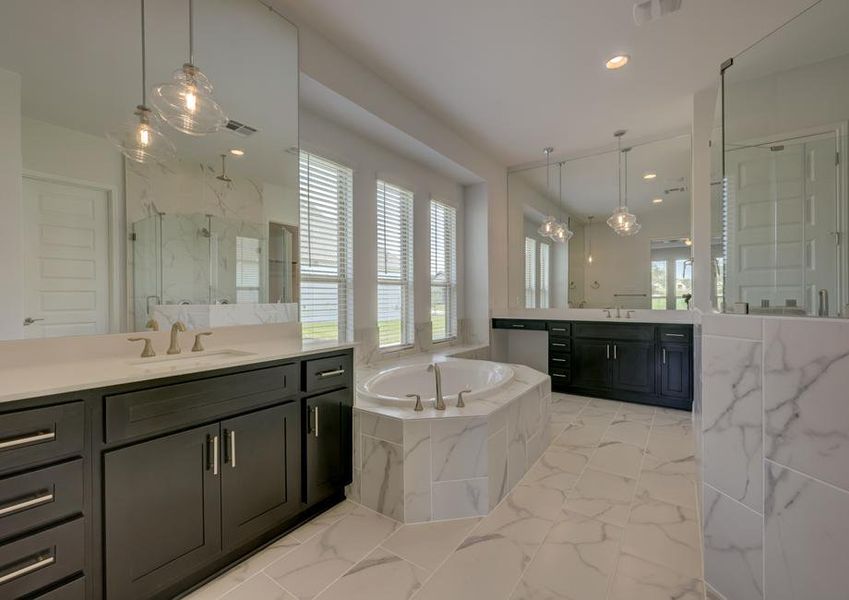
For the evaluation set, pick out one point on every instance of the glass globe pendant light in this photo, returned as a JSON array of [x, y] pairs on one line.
[[548, 225], [186, 103], [623, 222], [139, 139]]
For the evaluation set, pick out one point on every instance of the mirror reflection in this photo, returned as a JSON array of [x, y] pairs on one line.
[[783, 200], [158, 164], [649, 267]]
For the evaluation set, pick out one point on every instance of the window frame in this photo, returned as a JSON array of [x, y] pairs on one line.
[[448, 214], [343, 278], [404, 280]]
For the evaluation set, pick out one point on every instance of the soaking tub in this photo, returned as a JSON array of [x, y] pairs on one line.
[[391, 387]]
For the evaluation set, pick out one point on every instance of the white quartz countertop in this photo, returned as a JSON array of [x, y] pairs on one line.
[[598, 314], [55, 377]]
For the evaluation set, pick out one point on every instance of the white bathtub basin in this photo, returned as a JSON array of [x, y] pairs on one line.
[[393, 385]]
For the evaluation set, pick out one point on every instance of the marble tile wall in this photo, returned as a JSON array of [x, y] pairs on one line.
[[775, 450], [422, 470]]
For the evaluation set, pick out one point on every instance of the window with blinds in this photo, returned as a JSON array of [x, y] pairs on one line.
[[443, 270], [248, 255], [544, 273], [326, 261], [394, 265], [530, 273]]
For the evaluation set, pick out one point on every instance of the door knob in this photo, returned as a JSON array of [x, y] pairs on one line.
[[30, 321]]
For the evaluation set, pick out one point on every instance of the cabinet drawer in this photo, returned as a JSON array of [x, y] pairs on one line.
[[559, 346], [558, 329], [680, 334], [326, 373], [35, 436], [560, 376], [614, 331], [168, 407], [74, 590], [518, 324], [34, 562], [39, 497]]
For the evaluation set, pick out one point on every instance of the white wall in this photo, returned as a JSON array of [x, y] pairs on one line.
[[623, 264], [11, 260], [371, 162], [335, 69]]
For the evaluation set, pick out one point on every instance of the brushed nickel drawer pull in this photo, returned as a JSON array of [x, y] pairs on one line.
[[674, 334], [232, 448], [518, 326], [215, 455], [558, 359], [557, 329], [558, 345], [44, 436], [42, 562], [558, 375], [315, 428], [664, 355], [333, 373], [31, 503]]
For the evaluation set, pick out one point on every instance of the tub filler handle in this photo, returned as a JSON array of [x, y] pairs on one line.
[[460, 403], [418, 398]]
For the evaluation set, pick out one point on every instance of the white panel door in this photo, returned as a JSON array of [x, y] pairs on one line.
[[66, 256], [782, 205]]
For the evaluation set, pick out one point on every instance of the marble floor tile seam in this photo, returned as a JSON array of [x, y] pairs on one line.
[[637, 483]]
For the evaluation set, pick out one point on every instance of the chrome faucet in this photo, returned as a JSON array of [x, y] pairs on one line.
[[177, 327], [618, 312], [607, 310], [439, 401]]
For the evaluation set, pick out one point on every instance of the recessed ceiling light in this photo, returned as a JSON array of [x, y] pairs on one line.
[[617, 62], [657, 200], [648, 176], [237, 152]]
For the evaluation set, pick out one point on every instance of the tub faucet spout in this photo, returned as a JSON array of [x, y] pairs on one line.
[[439, 400]]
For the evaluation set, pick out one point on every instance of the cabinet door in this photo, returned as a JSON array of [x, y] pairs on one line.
[[328, 444], [591, 363], [162, 510], [675, 370], [260, 472], [633, 366]]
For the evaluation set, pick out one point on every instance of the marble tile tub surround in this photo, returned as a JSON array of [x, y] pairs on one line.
[[788, 540], [540, 542], [436, 465], [198, 316], [31, 368]]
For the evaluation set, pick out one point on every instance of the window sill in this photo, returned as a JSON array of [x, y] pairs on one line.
[[396, 348]]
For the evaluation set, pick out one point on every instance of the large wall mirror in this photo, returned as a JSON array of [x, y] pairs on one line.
[[783, 202], [597, 267], [207, 230]]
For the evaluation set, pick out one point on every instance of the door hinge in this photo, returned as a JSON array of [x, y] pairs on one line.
[[132, 237], [837, 159]]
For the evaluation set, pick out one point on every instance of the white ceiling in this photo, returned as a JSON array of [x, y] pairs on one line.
[[514, 77], [80, 67]]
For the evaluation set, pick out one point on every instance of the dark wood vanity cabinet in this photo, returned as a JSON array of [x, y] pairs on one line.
[[636, 362], [145, 490]]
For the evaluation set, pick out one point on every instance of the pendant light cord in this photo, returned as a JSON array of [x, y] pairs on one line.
[[143, 58], [626, 176], [191, 32], [619, 146]]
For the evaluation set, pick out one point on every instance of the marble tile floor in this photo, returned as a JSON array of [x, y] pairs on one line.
[[607, 513]]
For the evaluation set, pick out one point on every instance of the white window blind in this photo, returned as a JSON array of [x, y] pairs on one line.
[[443, 270], [248, 256], [394, 265], [326, 259], [530, 273], [544, 273]]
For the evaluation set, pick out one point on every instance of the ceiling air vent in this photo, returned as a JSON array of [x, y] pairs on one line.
[[240, 128], [649, 10]]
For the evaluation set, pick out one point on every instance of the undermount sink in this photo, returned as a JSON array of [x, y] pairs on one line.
[[187, 360]]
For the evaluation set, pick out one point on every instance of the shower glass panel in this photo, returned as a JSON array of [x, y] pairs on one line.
[[781, 195]]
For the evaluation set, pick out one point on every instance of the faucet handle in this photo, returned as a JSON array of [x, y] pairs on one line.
[[418, 398], [628, 313], [147, 351], [152, 324], [460, 403], [609, 315], [198, 347]]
